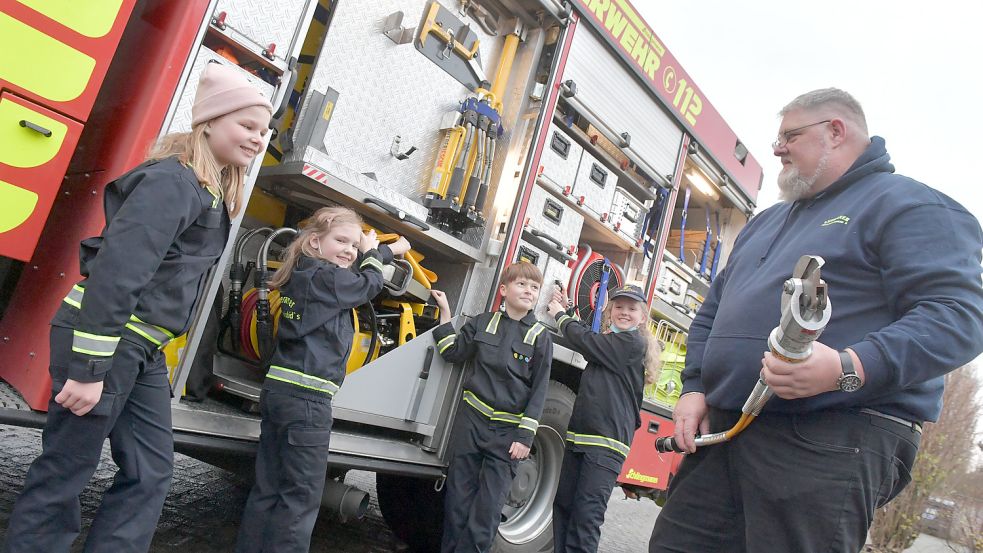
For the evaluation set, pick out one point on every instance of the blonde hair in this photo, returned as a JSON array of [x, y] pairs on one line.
[[521, 269], [191, 149], [318, 224], [652, 361]]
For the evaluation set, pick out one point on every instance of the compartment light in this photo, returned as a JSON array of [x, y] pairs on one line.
[[701, 182]]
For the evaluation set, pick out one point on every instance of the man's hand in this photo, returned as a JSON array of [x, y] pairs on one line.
[[519, 451], [79, 397], [554, 308], [689, 416], [817, 374], [400, 247]]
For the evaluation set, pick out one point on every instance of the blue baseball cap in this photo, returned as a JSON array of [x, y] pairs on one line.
[[629, 291]]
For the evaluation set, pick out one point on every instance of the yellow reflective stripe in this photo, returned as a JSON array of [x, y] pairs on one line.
[[371, 262], [217, 197], [74, 297], [533, 333], [168, 333], [449, 343], [157, 335], [492, 326], [599, 441], [529, 424], [136, 329], [302, 380], [489, 411], [94, 344]]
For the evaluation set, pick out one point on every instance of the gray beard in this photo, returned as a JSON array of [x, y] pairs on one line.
[[793, 187]]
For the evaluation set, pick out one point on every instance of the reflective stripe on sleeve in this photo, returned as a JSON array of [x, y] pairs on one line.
[[94, 344], [599, 441], [370, 261], [446, 342]]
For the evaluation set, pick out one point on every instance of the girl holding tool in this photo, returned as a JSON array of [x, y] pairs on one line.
[[318, 290]]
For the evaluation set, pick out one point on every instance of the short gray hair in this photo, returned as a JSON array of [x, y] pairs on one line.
[[840, 100]]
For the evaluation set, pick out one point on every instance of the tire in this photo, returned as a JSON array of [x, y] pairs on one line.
[[415, 512], [527, 525]]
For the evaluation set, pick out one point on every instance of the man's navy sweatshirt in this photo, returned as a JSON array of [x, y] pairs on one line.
[[903, 275]]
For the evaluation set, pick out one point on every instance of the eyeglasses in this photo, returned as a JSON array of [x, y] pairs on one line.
[[784, 137]]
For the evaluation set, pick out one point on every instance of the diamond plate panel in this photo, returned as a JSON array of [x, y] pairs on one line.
[[182, 116], [266, 22], [382, 191], [544, 210], [387, 90], [597, 190], [474, 298], [626, 215], [560, 159]]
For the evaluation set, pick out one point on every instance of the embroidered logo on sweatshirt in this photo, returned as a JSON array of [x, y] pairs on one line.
[[838, 220]]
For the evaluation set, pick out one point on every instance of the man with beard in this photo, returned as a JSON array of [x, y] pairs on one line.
[[840, 437]]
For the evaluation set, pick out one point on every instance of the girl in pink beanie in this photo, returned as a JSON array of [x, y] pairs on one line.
[[167, 223]]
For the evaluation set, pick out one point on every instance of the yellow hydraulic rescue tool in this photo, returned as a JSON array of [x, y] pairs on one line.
[[805, 312], [464, 161]]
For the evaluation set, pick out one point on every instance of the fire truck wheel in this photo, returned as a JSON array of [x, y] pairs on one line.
[[527, 518], [413, 510]]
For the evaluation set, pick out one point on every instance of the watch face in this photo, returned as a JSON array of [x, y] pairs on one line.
[[850, 383]]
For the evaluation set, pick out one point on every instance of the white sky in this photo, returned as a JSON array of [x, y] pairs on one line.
[[914, 66]]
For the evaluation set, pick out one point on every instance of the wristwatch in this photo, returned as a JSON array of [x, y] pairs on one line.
[[848, 381]]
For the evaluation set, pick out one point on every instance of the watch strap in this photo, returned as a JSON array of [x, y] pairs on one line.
[[847, 362]]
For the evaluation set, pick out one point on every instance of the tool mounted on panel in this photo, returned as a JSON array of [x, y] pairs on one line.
[[463, 168]]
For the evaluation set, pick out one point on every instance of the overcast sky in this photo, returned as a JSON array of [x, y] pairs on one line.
[[914, 67]]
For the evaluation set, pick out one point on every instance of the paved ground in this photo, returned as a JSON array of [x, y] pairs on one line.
[[202, 511]]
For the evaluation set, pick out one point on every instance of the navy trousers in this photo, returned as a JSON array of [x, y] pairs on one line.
[[291, 465], [807, 483], [478, 482], [586, 480], [135, 414]]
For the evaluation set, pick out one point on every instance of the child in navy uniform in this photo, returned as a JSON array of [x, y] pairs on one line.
[[605, 414], [503, 399], [317, 293], [167, 222]]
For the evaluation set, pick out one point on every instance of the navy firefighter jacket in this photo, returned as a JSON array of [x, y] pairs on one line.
[[606, 413], [145, 271], [315, 331], [510, 367]]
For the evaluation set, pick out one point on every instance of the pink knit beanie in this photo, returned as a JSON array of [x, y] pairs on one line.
[[223, 90]]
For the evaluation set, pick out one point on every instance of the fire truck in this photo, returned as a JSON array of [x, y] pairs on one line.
[[563, 133]]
